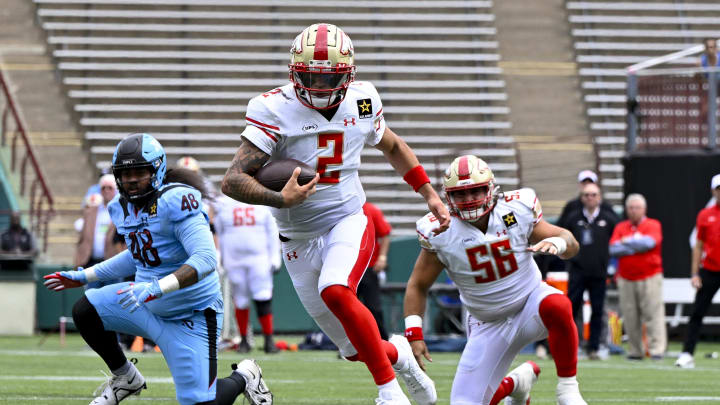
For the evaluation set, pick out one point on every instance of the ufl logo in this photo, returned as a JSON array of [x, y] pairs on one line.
[[310, 127]]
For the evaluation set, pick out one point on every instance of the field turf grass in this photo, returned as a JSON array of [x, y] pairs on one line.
[[37, 370]]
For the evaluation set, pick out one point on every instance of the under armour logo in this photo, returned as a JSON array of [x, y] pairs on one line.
[[352, 121], [504, 232], [291, 256], [190, 324]]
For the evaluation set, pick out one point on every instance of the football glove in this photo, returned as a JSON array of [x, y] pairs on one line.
[[61, 280], [136, 294]]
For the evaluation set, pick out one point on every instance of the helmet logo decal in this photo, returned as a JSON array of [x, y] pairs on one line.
[[321, 43]]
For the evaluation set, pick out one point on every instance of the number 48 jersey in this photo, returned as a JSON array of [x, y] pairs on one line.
[[281, 126], [493, 271]]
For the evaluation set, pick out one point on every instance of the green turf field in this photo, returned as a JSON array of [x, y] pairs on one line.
[[40, 371]]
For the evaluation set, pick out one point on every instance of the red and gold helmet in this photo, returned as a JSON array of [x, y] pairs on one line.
[[322, 65], [469, 172]]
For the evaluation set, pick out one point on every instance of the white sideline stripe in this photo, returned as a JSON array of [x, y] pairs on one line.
[[686, 399], [154, 380]]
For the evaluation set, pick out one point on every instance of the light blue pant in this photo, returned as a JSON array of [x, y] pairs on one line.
[[188, 345]]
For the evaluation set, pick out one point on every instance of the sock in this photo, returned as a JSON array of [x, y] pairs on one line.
[[104, 343], [392, 385], [506, 387], [122, 370], [567, 380], [361, 329], [266, 321], [391, 351], [227, 389], [242, 316], [556, 313]]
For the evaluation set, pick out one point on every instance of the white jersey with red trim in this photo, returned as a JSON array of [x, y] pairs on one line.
[[493, 271], [247, 233], [281, 126]]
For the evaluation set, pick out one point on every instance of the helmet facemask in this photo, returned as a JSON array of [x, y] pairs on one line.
[[472, 210], [321, 66]]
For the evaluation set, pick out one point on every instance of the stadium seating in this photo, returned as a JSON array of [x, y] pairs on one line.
[[184, 70], [611, 35]]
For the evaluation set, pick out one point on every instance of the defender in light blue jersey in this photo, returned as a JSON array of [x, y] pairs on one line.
[[175, 299]]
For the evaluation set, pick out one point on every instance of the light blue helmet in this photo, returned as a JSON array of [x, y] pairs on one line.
[[140, 151]]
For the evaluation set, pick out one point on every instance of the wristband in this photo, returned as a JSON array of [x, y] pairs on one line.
[[558, 242], [169, 283], [413, 328], [416, 177], [90, 274]]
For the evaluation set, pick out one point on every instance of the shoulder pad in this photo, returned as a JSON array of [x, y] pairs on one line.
[[259, 113], [424, 227], [525, 199], [177, 201]]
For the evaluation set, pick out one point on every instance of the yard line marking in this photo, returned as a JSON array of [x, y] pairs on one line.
[[687, 399], [44, 399]]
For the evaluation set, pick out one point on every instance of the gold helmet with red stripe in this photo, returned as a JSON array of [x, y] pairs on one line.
[[188, 162], [469, 172], [322, 65]]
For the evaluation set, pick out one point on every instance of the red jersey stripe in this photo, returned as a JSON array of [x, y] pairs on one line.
[[256, 122], [379, 112], [321, 43], [271, 136]]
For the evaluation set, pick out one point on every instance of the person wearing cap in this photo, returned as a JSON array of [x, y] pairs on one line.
[[584, 177], [592, 227], [93, 241], [704, 272], [637, 242]]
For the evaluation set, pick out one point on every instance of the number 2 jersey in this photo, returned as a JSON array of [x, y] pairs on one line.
[[171, 230], [492, 270], [281, 126]]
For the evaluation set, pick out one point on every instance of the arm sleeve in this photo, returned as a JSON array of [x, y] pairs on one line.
[[379, 125], [641, 244], [620, 249], [194, 234], [119, 266], [262, 129]]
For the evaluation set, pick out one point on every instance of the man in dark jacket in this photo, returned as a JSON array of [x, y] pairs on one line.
[[592, 226], [17, 239]]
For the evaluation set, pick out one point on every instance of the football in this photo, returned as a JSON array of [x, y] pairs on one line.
[[276, 174]]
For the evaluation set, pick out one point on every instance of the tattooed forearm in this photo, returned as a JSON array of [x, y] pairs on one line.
[[239, 184], [186, 275]]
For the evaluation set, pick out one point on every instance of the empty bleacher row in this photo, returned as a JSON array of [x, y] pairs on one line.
[[184, 71], [608, 37]]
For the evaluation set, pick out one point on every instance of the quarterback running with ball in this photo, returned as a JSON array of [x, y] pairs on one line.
[[487, 252], [324, 119]]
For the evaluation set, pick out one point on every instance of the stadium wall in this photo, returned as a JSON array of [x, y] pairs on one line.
[[677, 187]]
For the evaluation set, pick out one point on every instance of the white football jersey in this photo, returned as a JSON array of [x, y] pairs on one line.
[[493, 271], [281, 126], [247, 233]]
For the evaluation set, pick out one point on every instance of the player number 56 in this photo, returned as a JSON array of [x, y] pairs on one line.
[[492, 261]]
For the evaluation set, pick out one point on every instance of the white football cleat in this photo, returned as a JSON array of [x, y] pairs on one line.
[[256, 391], [419, 385], [685, 360], [392, 397], [524, 376], [569, 394], [119, 387]]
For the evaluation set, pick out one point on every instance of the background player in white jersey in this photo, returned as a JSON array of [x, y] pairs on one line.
[[250, 250], [487, 252], [324, 118]]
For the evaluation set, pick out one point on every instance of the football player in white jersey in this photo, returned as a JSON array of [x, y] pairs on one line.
[[324, 118], [250, 250], [487, 252]]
